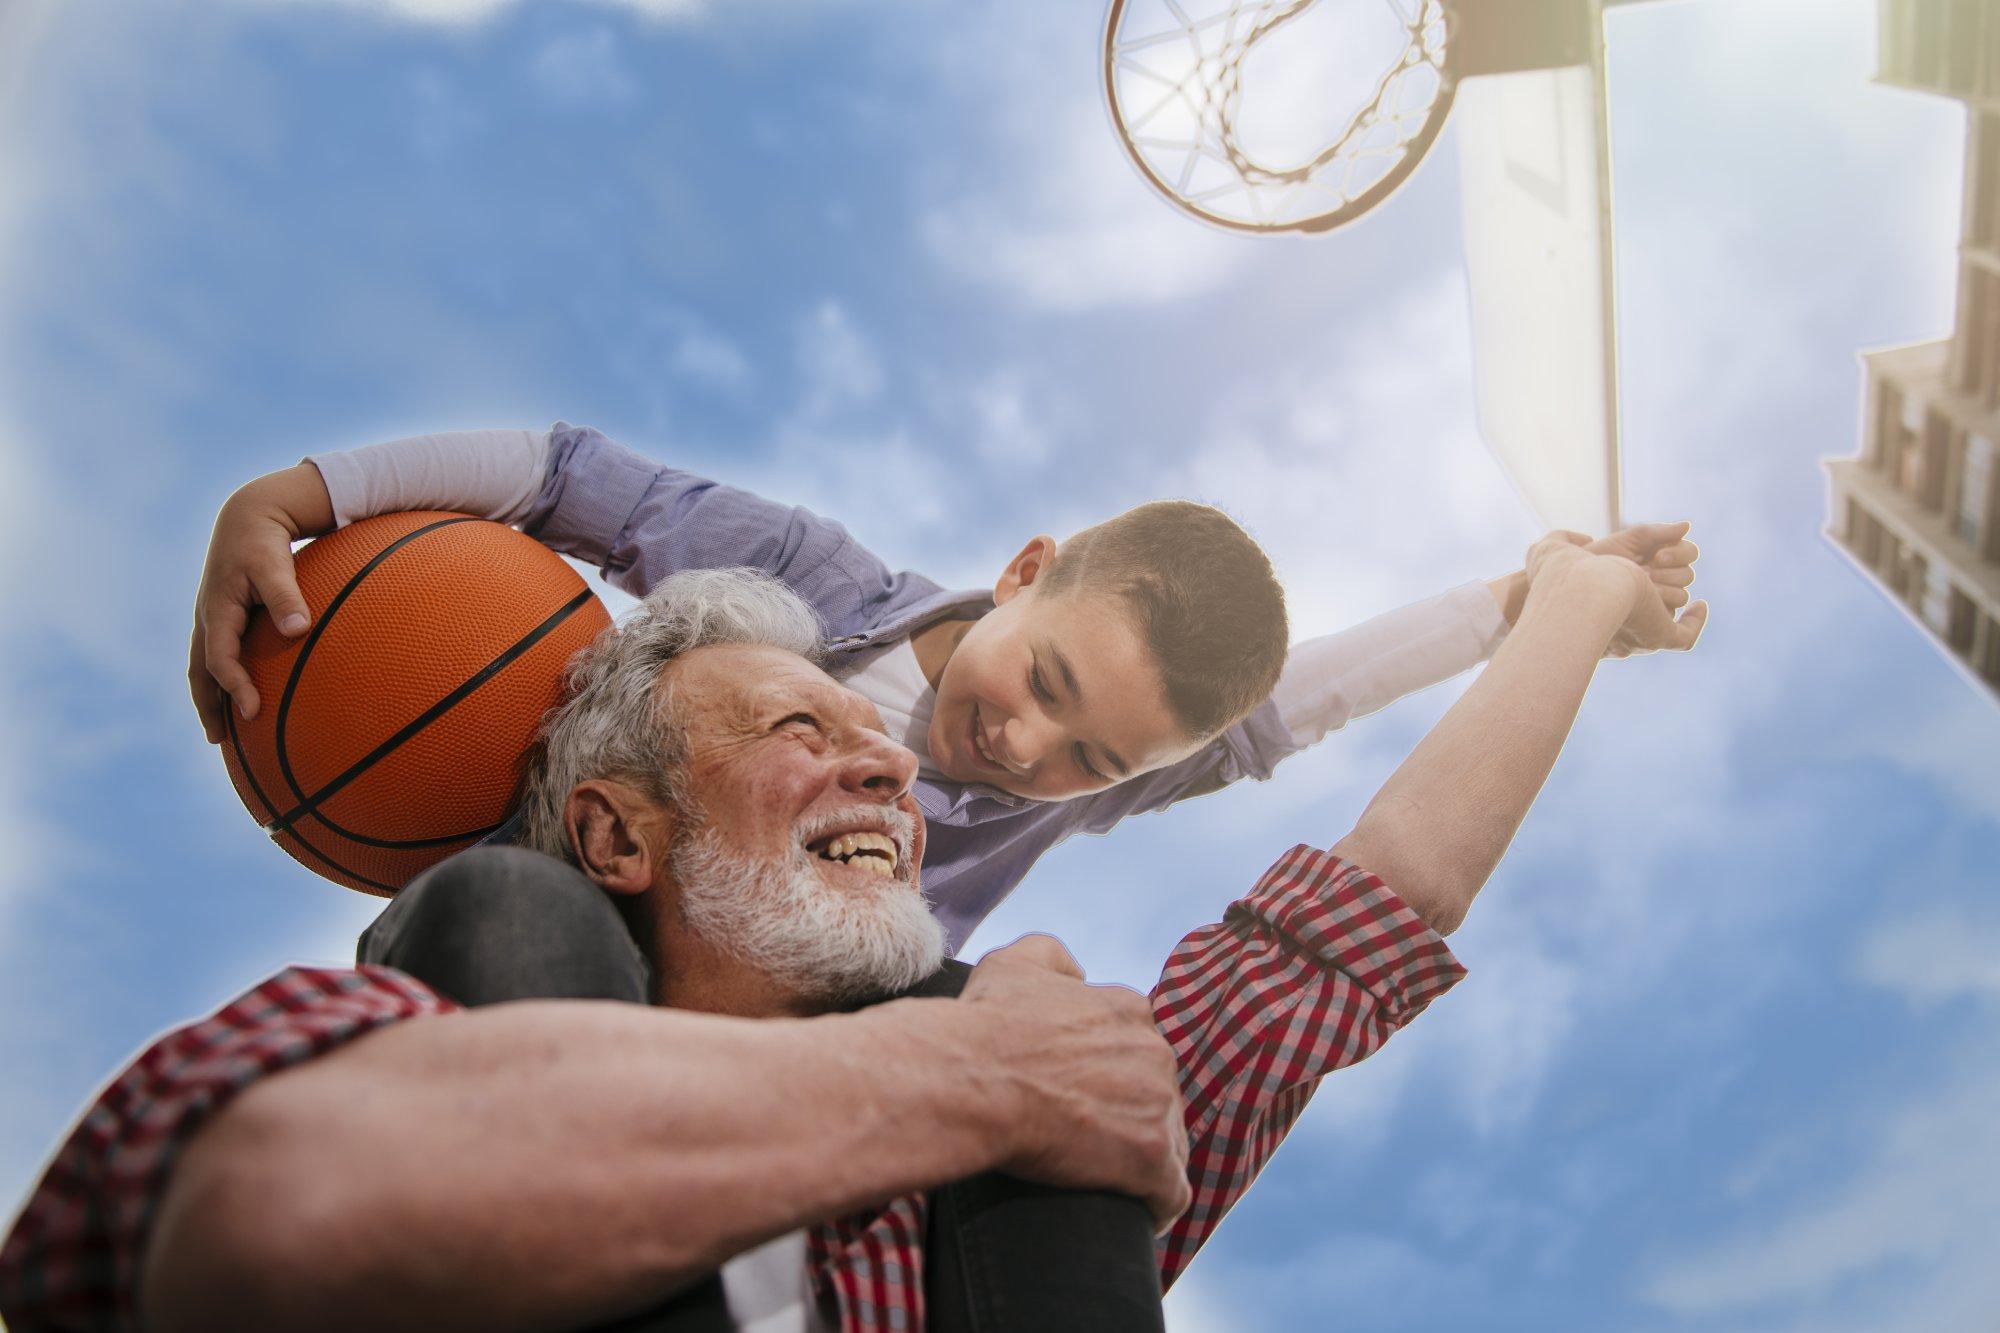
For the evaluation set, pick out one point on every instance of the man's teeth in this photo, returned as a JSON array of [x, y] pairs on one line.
[[870, 851]]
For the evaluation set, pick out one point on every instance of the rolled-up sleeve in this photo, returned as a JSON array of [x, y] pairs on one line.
[[72, 1260], [639, 521], [1312, 971]]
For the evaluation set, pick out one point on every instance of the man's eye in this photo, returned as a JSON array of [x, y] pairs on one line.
[[1041, 690], [807, 718]]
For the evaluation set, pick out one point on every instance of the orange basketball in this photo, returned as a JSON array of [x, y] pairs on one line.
[[396, 730]]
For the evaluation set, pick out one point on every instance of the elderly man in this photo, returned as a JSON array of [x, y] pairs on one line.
[[744, 847]]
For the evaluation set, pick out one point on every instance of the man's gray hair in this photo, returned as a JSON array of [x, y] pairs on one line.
[[616, 720]]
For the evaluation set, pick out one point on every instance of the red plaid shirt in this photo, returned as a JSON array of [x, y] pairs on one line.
[[1311, 972]]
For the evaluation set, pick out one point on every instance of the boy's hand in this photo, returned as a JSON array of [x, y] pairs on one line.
[[250, 564]]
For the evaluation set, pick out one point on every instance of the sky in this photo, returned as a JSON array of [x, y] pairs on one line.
[[1726, 1057]]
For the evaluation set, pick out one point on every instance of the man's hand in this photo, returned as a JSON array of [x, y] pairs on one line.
[[1093, 1094], [1661, 549], [1650, 623], [249, 565]]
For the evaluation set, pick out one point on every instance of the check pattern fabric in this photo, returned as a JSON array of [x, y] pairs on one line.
[[1313, 970]]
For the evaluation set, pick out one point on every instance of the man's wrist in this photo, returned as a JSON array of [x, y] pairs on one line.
[[964, 1058], [1510, 594], [1593, 590]]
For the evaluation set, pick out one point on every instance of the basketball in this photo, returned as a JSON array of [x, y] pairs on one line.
[[396, 731]]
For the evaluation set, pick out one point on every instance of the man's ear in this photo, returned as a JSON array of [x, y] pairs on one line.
[[1021, 572], [620, 836]]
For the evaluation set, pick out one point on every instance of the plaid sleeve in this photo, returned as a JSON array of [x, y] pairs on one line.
[[1310, 973], [72, 1259]]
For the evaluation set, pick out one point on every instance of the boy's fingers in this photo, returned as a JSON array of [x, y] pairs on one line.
[[1677, 577], [203, 690], [222, 642], [1679, 554], [278, 589], [1674, 597]]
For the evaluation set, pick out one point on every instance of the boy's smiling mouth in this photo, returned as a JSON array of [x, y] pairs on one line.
[[980, 748]]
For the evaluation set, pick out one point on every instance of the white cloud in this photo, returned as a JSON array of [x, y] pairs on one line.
[[1010, 426], [1355, 462], [708, 358], [838, 365], [469, 13], [1935, 955], [1052, 217], [1191, 1307], [1949, 745]]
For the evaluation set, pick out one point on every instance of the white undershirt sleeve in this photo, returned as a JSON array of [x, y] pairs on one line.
[[495, 474], [1333, 679]]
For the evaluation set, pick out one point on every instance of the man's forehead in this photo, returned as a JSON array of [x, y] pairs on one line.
[[747, 678]]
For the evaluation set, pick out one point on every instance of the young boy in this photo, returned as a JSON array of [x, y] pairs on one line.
[[1141, 662]]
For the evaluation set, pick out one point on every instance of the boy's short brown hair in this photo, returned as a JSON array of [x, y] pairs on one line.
[[1203, 595]]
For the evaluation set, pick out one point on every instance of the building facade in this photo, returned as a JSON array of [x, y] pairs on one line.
[[1918, 511]]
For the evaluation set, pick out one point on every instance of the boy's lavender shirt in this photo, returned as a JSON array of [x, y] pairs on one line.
[[639, 522]]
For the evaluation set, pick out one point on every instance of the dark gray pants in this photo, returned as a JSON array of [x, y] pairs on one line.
[[506, 923]]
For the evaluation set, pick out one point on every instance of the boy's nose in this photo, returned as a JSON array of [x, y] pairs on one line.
[[1026, 741]]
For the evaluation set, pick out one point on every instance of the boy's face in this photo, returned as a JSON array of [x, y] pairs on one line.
[[1052, 695]]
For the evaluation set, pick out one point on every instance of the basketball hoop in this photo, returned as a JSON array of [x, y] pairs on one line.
[[1174, 82]]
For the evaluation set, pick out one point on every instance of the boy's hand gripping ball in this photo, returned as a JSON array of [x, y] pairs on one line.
[[397, 730]]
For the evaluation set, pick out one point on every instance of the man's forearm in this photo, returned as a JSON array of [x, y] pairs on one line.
[[1444, 818], [553, 1164]]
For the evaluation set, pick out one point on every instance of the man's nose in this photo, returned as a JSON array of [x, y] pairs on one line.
[[876, 767]]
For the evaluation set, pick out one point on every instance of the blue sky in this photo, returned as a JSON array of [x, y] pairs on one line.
[[1726, 1056]]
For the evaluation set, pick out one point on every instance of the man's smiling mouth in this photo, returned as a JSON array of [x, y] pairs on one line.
[[879, 842], [869, 851]]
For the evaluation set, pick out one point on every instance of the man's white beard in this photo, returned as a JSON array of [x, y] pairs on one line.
[[820, 944]]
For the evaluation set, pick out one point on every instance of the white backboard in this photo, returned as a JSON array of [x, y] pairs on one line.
[[1536, 178]]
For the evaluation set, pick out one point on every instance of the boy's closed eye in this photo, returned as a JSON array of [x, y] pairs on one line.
[[1089, 769]]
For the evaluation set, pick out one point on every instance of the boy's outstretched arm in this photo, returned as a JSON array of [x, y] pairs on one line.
[[1440, 824], [1331, 680]]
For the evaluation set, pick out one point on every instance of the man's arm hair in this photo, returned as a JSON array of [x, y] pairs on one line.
[[1443, 820], [551, 1164]]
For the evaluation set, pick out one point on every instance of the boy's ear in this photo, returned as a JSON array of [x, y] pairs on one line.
[[1025, 568], [620, 836]]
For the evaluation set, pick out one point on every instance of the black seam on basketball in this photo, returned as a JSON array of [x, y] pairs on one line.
[[299, 839], [405, 844], [319, 628], [309, 805], [242, 759]]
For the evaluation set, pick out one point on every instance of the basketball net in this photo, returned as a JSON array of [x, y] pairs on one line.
[[1175, 94]]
